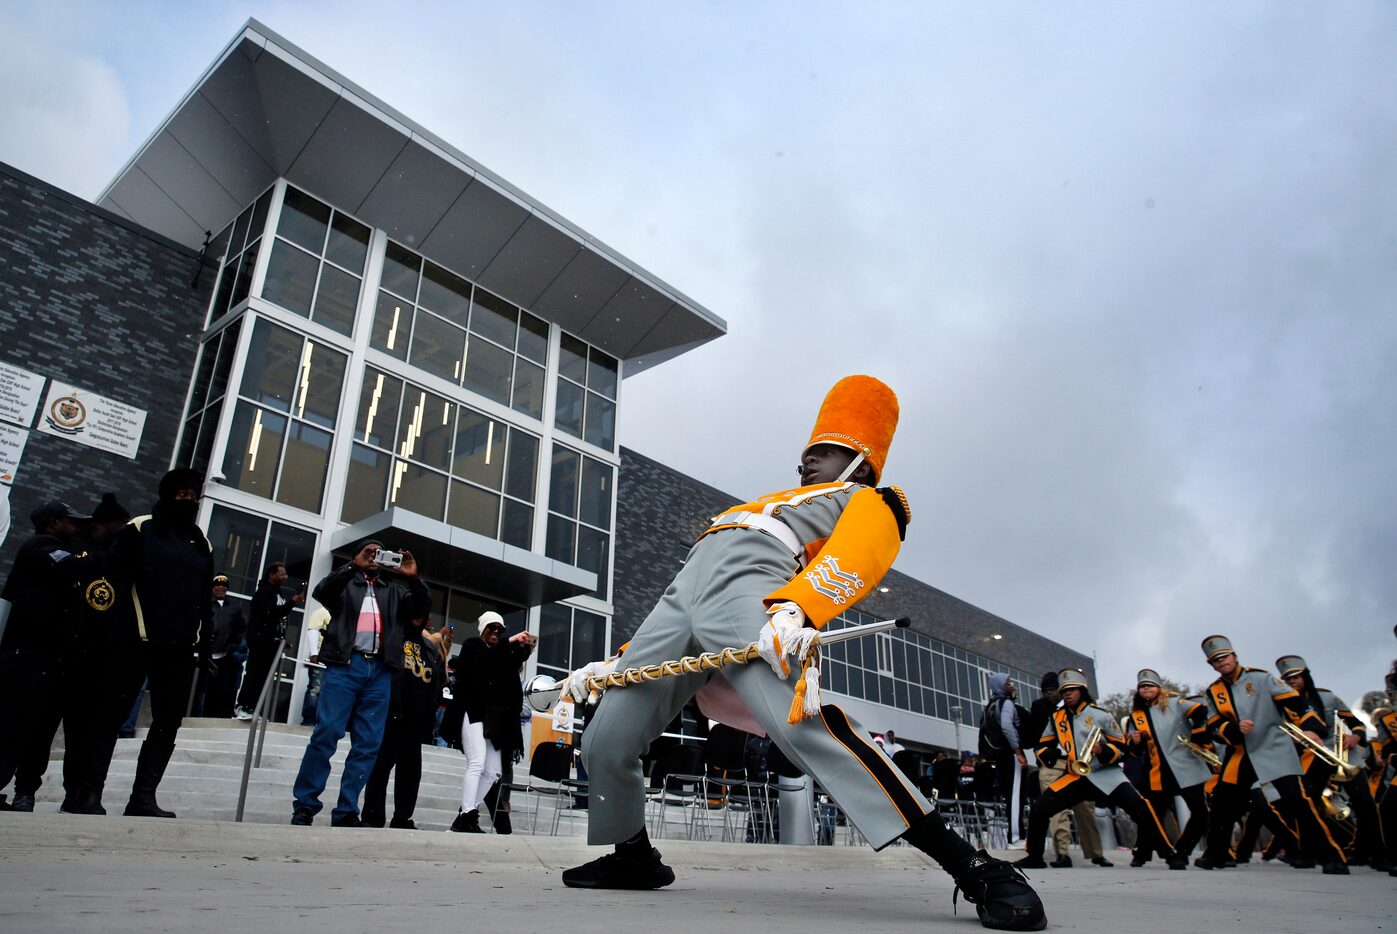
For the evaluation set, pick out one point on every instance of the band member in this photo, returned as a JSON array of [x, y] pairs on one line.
[[768, 571], [1093, 745], [1246, 707], [1171, 732], [1385, 751], [1367, 842]]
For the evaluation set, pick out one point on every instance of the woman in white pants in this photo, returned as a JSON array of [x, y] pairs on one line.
[[488, 695]]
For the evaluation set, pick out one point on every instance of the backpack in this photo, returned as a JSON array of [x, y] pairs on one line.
[[992, 739]]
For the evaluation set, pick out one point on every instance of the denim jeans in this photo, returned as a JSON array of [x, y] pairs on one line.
[[353, 696], [315, 679]]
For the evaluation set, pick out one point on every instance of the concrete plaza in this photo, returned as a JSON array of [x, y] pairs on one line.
[[63, 872]]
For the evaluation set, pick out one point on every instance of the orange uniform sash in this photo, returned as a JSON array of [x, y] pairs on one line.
[[1142, 724], [1222, 700]]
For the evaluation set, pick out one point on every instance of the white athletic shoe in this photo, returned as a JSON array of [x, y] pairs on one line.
[[241, 714]]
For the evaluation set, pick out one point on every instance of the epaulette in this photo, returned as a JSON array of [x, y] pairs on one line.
[[897, 502]]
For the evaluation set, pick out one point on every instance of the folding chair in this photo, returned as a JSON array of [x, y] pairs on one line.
[[550, 779], [677, 783]]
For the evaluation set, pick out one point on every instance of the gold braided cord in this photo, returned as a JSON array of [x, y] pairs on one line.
[[688, 665]]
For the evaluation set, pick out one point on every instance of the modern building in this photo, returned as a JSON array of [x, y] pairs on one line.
[[388, 340]]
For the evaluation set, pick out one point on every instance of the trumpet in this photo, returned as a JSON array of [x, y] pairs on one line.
[[1082, 766], [1212, 759], [1343, 770]]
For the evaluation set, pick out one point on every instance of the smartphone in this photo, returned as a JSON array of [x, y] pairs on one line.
[[388, 559]]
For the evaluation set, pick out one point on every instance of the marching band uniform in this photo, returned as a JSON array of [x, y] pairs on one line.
[[1367, 842], [1265, 754], [1065, 735], [811, 552], [1385, 750], [1173, 770]]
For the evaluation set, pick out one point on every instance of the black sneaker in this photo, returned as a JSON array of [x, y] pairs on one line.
[[371, 819], [303, 817], [1178, 862], [467, 822], [1207, 862], [402, 823], [1335, 869], [1036, 862], [346, 820], [1001, 894], [614, 871], [1137, 861], [22, 803]]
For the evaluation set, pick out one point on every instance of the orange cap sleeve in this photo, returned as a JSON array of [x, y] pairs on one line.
[[854, 558]]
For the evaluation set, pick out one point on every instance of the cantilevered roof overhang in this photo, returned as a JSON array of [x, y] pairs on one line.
[[486, 566], [266, 109]]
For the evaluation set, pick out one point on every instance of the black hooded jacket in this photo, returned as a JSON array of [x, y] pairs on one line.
[[162, 571]]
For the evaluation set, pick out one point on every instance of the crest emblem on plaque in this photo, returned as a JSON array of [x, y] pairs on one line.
[[67, 415]]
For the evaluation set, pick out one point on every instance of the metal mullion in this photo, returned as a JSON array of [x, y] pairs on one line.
[[259, 271]]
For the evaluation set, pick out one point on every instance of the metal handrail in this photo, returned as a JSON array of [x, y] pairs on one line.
[[254, 734]]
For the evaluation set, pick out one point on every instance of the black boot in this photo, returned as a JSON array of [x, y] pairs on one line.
[[22, 802], [1000, 893], [150, 768], [467, 822]]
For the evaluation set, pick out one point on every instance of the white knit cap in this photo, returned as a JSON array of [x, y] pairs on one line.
[[488, 618]]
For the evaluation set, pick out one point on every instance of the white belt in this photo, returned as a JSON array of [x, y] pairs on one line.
[[763, 523]]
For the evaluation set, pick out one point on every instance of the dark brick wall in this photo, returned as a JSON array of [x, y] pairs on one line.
[[661, 511], [93, 299]]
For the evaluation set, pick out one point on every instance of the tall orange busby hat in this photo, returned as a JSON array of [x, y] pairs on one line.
[[859, 413]]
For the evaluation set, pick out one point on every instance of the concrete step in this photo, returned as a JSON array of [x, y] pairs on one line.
[[203, 779]]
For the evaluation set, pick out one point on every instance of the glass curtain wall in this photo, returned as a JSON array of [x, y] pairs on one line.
[[414, 444], [915, 673]]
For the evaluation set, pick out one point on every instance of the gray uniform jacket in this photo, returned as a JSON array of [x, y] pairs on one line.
[[1261, 697], [1167, 720], [1106, 774]]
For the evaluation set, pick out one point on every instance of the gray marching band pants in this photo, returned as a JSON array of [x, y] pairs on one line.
[[714, 603]]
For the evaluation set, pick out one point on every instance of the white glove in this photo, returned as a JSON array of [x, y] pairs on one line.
[[785, 634], [574, 686]]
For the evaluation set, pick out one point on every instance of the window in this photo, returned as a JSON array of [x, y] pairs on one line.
[[579, 514], [206, 399], [569, 638], [587, 393], [423, 452], [283, 426], [907, 670], [238, 245], [447, 326], [317, 262]]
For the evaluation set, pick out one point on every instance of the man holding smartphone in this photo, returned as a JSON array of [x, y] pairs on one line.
[[373, 610]]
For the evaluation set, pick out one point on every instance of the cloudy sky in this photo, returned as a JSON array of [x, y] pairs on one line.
[[1131, 273]]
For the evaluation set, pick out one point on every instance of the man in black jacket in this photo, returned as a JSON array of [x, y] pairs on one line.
[[39, 636], [271, 606], [218, 682], [373, 611], [161, 570]]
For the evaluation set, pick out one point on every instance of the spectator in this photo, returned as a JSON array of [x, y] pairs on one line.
[[39, 639], [218, 682], [889, 743], [161, 569], [89, 665], [373, 611], [315, 672], [411, 718], [488, 696], [271, 605], [1000, 743]]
